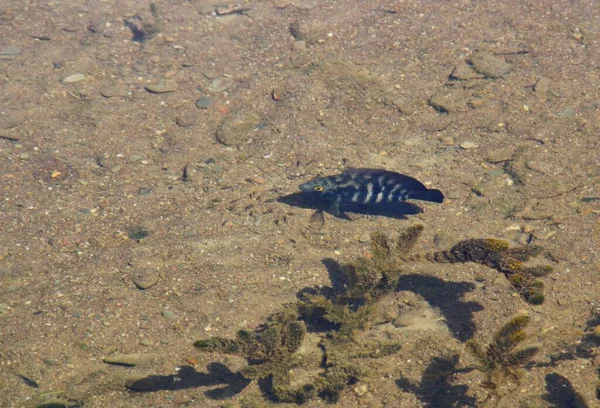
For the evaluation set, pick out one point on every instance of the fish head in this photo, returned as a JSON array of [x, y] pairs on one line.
[[323, 187]]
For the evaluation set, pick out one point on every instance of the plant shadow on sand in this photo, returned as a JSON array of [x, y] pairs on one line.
[[445, 296], [188, 377]]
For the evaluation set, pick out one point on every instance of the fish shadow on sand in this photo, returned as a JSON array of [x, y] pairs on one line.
[[188, 377], [396, 210]]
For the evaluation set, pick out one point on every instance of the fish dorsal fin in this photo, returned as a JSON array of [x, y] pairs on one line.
[[407, 181]]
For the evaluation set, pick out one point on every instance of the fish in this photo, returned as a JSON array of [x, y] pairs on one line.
[[370, 188]]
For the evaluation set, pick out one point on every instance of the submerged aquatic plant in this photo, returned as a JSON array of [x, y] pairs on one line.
[[339, 320], [496, 254], [502, 359]]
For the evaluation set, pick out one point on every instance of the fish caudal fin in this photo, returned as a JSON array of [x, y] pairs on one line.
[[432, 195]]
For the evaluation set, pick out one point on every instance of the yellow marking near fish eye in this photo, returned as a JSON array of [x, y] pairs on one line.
[[319, 188]]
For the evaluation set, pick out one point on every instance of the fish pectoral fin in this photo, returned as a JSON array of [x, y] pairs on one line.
[[334, 208]]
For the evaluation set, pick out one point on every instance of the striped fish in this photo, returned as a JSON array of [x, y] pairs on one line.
[[369, 187]]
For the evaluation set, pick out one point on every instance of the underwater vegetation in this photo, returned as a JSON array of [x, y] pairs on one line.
[[325, 341], [503, 358]]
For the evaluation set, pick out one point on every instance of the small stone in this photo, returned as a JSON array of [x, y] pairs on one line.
[[3, 309], [209, 74], [129, 359], [490, 65], [542, 87], [112, 91], [8, 122], [257, 180], [499, 156], [55, 174], [136, 157], [145, 280], [282, 3], [203, 102], [300, 45], [145, 191], [447, 140], [567, 112], [446, 102], [364, 238], [165, 86], [237, 129], [477, 102], [9, 51], [464, 72], [141, 383], [467, 145], [167, 314], [169, 74], [138, 233], [73, 78], [317, 220], [24, 156], [218, 85], [361, 390], [146, 342], [400, 103]]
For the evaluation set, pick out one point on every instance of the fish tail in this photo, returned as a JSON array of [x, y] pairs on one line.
[[432, 195]]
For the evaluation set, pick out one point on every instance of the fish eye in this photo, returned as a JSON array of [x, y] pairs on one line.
[[319, 188]]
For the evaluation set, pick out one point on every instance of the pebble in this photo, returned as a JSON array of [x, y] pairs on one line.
[[218, 85], [165, 86], [146, 342], [167, 314], [257, 180], [477, 102], [169, 74], [137, 233], [203, 102], [9, 51], [236, 129], [364, 238], [317, 220], [112, 91], [8, 122], [145, 191], [445, 102], [141, 383], [542, 86], [467, 145], [447, 140], [300, 45], [73, 78], [499, 156], [361, 390], [129, 359], [24, 156], [490, 65], [145, 280], [400, 103], [464, 72]]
